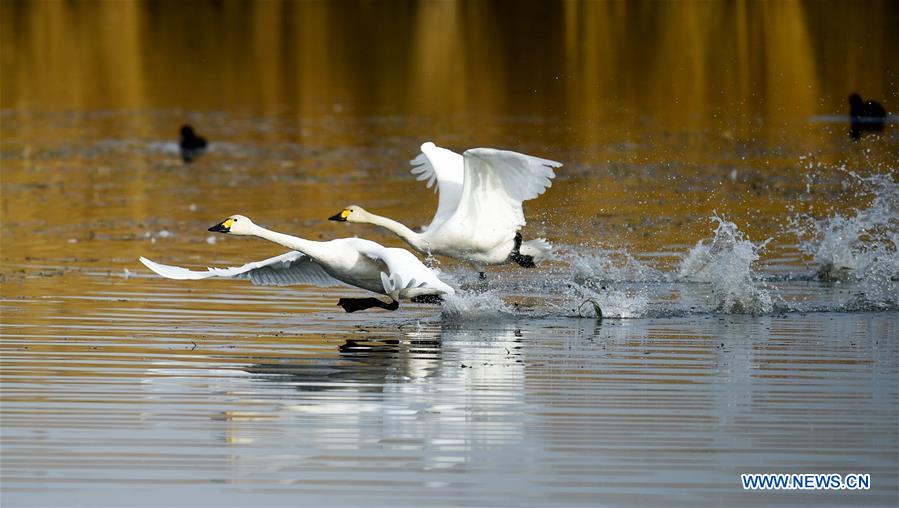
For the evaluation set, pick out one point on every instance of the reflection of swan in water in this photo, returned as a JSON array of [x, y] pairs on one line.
[[364, 364], [372, 362], [432, 389]]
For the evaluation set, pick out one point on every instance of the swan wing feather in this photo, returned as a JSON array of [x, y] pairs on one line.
[[404, 270], [497, 182], [285, 270], [436, 164]]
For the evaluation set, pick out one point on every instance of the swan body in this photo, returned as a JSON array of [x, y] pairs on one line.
[[479, 211], [394, 272]]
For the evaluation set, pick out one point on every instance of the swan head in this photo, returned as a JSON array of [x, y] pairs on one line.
[[352, 213], [235, 225]]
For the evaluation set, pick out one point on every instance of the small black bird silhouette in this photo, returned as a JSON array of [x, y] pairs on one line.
[[864, 116], [192, 146]]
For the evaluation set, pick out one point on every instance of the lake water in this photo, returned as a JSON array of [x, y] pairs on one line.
[[742, 247]]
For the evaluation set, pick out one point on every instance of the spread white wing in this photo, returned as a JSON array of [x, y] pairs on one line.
[[403, 270], [496, 184], [446, 168], [284, 270]]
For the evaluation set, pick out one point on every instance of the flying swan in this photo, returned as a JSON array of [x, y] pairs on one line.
[[479, 209], [394, 272]]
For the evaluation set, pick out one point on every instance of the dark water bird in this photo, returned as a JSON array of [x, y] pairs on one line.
[[864, 116], [192, 146]]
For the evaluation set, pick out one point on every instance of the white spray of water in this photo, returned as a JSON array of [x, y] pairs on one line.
[[614, 303], [601, 265], [474, 306], [726, 264], [861, 248]]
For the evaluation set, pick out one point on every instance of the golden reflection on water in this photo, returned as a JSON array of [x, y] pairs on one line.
[[719, 85], [685, 64]]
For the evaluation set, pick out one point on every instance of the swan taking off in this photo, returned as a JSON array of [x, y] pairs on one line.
[[479, 209], [394, 272]]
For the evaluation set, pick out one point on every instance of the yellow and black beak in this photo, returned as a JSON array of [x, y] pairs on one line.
[[340, 217], [223, 227]]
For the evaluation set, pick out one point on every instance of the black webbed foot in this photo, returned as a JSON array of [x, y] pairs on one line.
[[357, 304], [517, 257], [522, 260], [430, 299]]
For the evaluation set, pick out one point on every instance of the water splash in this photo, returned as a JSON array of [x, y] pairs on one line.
[[474, 306], [604, 265], [855, 253], [613, 302], [860, 247], [725, 263]]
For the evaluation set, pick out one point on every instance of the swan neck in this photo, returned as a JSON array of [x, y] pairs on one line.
[[398, 229], [308, 247]]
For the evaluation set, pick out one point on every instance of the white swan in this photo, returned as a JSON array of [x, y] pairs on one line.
[[394, 272], [479, 210]]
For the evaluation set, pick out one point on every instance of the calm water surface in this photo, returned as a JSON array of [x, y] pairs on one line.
[[742, 248]]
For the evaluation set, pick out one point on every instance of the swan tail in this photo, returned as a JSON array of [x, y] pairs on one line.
[[538, 249]]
